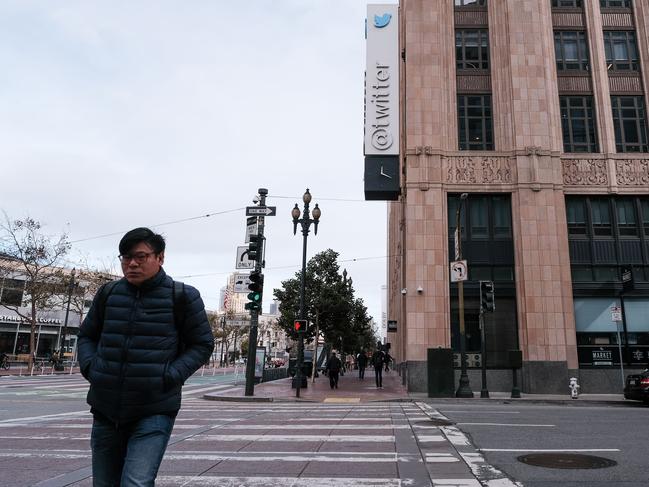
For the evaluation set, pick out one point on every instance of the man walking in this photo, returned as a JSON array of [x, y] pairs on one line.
[[361, 360], [333, 369], [142, 338], [378, 359]]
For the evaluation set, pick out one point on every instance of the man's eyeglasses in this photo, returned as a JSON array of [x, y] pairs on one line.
[[138, 257]]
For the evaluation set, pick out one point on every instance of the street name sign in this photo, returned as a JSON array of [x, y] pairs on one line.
[[238, 322], [261, 210]]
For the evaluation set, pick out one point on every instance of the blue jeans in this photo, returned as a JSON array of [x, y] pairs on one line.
[[129, 455]]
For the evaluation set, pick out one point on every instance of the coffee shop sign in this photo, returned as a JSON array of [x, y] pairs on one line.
[[45, 321]]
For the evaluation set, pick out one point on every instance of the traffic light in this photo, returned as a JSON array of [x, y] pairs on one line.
[[487, 302], [256, 288], [300, 325], [254, 247]]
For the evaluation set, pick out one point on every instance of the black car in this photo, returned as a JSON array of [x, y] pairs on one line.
[[637, 387], [306, 365]]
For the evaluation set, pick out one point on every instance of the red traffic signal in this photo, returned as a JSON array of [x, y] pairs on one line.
[[300, 326]]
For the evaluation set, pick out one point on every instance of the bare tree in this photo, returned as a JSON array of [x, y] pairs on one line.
[[33, 258]]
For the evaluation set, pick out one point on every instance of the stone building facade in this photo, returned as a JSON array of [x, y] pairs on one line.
[[536, 109]]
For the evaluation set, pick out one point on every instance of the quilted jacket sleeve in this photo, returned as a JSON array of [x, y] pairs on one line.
[[197, 339], [89, 335]]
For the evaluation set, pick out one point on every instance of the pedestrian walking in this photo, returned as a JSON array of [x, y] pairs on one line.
[[143, 336], [378, 360], [333, 368], [388, 359], [361, 360]]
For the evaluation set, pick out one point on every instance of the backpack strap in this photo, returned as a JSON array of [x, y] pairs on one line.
[[104, 292]]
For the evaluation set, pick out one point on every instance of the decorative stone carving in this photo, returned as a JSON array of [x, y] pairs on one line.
[[479, 170], [632, 172], [585, 172]]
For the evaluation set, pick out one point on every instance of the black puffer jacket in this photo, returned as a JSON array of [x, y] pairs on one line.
[[133, 362]]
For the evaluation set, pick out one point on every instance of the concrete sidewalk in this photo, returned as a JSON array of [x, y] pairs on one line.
[[353, 390]]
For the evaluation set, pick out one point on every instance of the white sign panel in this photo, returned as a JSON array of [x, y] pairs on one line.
[[241, 282], [382, 80], [251, 228], [459, 271], [616, 313], [242, 258]]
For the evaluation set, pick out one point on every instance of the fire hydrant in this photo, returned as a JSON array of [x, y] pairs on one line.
[[574, 388]]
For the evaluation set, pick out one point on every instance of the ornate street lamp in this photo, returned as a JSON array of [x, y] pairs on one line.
[[299, 380], [464, 389]]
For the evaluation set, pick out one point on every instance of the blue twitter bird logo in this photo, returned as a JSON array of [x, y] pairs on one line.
[[382, 21]]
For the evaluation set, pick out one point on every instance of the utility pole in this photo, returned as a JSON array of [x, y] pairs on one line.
[[255, 296]]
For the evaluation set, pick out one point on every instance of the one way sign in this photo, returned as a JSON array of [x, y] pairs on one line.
[[260, 210]]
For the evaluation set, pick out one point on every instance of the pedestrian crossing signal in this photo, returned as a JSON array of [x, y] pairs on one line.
[[300, 325]]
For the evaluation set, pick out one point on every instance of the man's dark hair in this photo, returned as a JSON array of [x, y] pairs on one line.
[[141, 234]]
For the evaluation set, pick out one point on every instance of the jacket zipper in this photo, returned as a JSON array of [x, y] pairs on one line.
[[125, 349]]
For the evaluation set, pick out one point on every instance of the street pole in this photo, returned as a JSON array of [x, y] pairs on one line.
[[222, 338], [254, 313], [305, 222], [67, 312], [484, 392], [464, 389]]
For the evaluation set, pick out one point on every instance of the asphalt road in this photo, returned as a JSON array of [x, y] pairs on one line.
[[503, 432]]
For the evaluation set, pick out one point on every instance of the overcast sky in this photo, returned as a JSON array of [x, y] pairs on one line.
[[117, 114]]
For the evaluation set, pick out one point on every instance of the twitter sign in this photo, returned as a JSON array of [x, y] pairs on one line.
[[382, 81]]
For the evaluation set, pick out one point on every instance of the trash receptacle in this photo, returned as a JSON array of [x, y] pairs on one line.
[[441, 375]]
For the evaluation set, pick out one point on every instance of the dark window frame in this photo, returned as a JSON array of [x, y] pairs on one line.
[[470, 3], [567, 4], [626, 4], [571, 107], [626, 38], [463, 45], [623, 123], [565, 38], [469, 119]]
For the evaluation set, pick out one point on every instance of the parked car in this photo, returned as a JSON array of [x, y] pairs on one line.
[[637, 387]]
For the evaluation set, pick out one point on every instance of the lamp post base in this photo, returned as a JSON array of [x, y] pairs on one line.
[[464, 390], [303, 382]]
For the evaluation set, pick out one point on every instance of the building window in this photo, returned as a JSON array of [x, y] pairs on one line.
[[474, 122], [615, 3], [578, 124], [576, 216], [472, 49], [566, 3], [621, 50], [600, 210], [644, 205], [626, 217], [502, 217], [470, 3], [11, 292], [571, 51], [479, 218], [630, 124]]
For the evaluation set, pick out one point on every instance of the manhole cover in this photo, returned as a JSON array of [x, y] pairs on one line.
[[566, 460], [434, 422]]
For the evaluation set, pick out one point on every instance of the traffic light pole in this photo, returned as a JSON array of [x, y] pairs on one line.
[[254, 313], [484, 392]]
